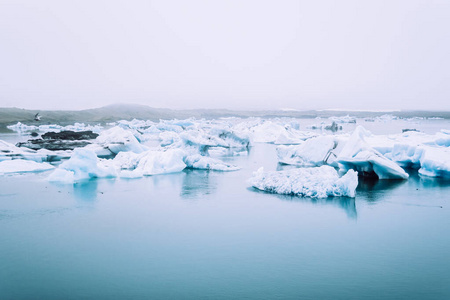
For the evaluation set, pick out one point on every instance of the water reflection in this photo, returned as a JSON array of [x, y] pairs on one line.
[[198, 183], [433, 182], [373, 188], [345, 203], [86, 190]]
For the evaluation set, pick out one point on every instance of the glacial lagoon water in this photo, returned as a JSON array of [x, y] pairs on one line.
[[207, 235]]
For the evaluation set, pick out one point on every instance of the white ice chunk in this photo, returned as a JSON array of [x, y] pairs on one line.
[[343, 119], [319, 182], [208, 163], [313, 152], [229, 138], [358, 155], [267, 132], [161, 162], [100, 151], [83, 164], [118, 139], [435, 162], [9, 151], [19, 127], [406, 155], [168, 138], [21, 166], [288, 138]]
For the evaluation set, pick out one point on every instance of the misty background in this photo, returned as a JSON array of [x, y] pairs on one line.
[[378, 55]]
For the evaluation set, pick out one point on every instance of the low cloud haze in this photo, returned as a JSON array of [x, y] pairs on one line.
[[225, 54]]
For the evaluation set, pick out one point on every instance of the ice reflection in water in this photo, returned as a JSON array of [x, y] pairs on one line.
[[345, 203], [198, 183], [86, 190], [374, 189]]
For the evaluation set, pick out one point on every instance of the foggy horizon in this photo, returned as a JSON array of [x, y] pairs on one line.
[[256, 55], [231, 109]]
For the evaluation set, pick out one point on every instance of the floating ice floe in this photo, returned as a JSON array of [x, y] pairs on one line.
[[345, 152], [19, 127], [160, 162], [83, 164], [428, 153], [435, 162], [154, 162], [280, 132], [22, 166], [23, 128], [358, 155], [319, 182], [343, 119], [386, 118], [208, 163], [313, 152], [168, 138], [117, 139], [9, 151]]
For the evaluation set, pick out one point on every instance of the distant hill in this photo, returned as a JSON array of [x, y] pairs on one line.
[[117, 112]]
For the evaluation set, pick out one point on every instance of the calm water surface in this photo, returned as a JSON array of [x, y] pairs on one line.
[[206, 235]]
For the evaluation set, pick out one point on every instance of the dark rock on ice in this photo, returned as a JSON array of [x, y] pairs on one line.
[[53, 145], [64, 140], [70, 135]]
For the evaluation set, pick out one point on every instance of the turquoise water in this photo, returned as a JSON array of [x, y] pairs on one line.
[[206, 235]]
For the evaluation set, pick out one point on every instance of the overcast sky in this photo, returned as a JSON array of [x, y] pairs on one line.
[[225, 54]]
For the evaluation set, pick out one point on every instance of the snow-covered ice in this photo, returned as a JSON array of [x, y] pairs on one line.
[[83, 164], [117, 139], [435, 162], [21, 166], [23, 128], [160, 162], [9, 151], [358, 155], [313, 152], [208, 163], [318, 182]]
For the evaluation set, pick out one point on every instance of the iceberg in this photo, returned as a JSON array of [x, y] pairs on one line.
[[83, 164], [208, 163], [343, 119], [435, 162], [9, 151], [20, 128], [161, 162], [358, 155], [201, 140], [318, 182], [230, 138], [168, 138], [313, 152], [23, 128], [288, 137], [405, 155], [151, 162], [117, 139], [21, 166], [271, 132]]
